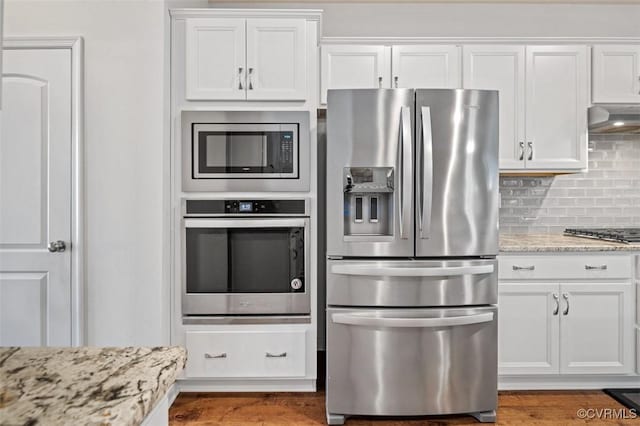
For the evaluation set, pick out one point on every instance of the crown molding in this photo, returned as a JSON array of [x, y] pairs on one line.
[[478, 40], [308, 14]]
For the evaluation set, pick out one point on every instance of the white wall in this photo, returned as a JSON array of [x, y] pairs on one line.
[[127, 300], [401, 19]]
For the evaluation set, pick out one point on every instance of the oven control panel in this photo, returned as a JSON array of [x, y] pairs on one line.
[[248, 207]]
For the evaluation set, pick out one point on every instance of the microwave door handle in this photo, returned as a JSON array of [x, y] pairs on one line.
[[406, 159], [374, 321], [426, 168], [265, 157]]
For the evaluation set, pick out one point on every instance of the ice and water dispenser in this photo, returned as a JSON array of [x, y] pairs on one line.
[[368, 200]]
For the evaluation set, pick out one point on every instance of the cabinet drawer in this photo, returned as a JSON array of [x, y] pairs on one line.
[[228, 354], [564, 267]]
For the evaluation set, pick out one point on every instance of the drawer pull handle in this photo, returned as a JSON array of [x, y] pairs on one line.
[[221, 355], [556, 299], [566, 298], [280, 355], [524, 268], [590, 268]]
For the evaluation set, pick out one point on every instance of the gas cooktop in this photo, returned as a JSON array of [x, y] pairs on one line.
[[622, 235]]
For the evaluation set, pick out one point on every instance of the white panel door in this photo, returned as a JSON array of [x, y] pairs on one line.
[[596, 328], [528, 328], [35, 195], [616, 73], [557, 96], [215, 59], [502, 68], [276, 59], [426, 67], [353, 67]]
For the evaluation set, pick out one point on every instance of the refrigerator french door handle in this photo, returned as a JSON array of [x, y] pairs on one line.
[[406, 160], [426, 171], [389, 271], [373, 321]]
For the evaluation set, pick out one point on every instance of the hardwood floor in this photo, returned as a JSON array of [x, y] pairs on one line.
[[269, 409]]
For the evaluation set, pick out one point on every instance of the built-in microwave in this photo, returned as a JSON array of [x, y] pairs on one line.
[[245, 151]]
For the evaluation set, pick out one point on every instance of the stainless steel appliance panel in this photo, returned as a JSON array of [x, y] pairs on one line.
[[388, 283], [411, 361], [296, 121], [456, 173], [370, 130]]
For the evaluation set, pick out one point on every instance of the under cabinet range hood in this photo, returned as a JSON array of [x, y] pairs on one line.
[[614, 119]]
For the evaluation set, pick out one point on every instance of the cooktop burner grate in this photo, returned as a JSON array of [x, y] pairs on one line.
[[622, 235]]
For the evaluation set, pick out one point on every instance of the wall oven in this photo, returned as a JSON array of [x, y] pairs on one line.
[[245, 150], [245, 257]]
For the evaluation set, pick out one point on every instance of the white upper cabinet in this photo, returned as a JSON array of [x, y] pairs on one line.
[[426, 66], [353, 67], [543, 96], [215, 58], [502, 68], [616, 73], [276, 59], [557, 98], [253, 59]]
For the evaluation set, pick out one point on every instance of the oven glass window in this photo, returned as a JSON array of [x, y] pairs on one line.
[[244, 260], [244, 152]]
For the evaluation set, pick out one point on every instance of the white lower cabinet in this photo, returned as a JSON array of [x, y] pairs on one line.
[[528, 329], [551, 324], [596, 328], [246, 354]]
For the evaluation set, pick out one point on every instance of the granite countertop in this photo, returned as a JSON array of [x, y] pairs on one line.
[[558, 243], [84, 385]]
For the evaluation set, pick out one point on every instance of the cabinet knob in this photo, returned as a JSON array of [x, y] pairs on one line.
[[240, 79], [530, 145], [556, 298], [380, 82], [395, 81], [250, 78], [280, 355]]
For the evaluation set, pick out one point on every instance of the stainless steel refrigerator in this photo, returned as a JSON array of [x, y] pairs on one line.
[[412, 238]]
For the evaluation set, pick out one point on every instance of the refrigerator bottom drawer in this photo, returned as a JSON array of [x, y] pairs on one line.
[[411, 362]]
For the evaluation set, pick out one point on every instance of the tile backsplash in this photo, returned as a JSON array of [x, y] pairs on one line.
[[608, 195]]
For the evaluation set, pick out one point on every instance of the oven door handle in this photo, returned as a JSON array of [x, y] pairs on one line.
[[381, 271], [373, 321], [245, 223]]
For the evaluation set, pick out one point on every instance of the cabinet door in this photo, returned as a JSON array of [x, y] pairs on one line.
[[276, 59], [215, 60], [353, 67], [557, 93], [528, 328], [616, 73], [429, 66], [596, 328], [501, 68]]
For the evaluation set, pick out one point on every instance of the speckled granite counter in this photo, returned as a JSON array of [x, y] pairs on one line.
[[85, 385], [558, 243]]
